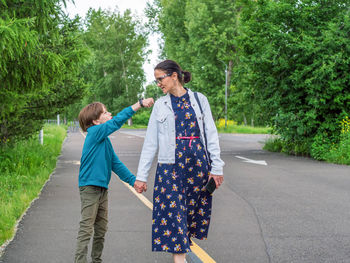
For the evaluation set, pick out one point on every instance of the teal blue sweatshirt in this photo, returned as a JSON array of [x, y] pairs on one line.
[[98, 159]]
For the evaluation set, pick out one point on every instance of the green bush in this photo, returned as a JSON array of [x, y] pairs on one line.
[[323, 147], [141, 117], [340, 152], [273, 145], [320, 146], [294, 62], [279, 145]]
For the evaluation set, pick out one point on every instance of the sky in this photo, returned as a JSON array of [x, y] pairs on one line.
[[80, 7]]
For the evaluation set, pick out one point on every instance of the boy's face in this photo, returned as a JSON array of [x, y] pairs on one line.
[[105, 116]]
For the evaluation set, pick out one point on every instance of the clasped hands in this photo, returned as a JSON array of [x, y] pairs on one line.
[[140, 186]]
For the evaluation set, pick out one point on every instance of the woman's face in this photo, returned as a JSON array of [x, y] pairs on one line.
[[165, 81]]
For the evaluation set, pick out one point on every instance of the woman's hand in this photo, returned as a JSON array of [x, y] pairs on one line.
[[140, 186], [219, 179]]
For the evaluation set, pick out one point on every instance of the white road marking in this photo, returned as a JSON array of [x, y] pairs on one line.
[[246, 160]]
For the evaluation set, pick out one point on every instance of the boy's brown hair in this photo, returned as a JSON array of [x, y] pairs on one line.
[[90, 113]]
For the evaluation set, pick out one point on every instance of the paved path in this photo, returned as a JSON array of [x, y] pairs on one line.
[[291, 210]]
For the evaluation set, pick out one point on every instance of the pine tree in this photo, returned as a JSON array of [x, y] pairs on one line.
[[41, 56]]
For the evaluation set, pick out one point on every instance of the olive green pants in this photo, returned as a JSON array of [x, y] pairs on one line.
[[94, 213]]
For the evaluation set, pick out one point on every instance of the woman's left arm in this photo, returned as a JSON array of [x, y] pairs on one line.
[[213, 144]]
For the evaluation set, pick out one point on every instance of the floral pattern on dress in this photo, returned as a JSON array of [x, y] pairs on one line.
[[181, 205]]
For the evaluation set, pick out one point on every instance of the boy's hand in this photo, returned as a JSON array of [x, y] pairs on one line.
[[140, 186], [148, 102], [145, 103]]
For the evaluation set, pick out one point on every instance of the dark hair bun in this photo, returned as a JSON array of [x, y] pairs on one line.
[[187, 76]]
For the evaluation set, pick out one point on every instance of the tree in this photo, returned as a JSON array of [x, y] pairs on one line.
[[115, 74], [41, 56], [200, 36], [153, 91], [295, 57]]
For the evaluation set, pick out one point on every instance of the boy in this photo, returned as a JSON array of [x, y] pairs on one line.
[[98, 160]]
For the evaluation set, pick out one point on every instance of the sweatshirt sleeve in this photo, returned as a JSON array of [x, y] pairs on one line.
[[122, 171], [103, 130]]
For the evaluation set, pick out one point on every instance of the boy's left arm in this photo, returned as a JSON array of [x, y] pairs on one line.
[[122, 171], [107, 128]]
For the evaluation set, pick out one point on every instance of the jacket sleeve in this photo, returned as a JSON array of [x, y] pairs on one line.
[[149, 149], [103, 130], [212, 139], [122, 171]]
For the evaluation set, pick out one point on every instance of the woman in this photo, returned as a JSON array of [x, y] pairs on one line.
[[181, 204]]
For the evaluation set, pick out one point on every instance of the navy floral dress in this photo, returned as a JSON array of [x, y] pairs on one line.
[[181, 205]]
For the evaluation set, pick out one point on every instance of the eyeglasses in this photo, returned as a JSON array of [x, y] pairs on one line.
[[159, 80]]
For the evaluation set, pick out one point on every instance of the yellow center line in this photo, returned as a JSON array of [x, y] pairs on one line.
[[197, 250]]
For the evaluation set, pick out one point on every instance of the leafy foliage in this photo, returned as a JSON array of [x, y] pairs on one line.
[[115, 74], [153, 91], [294, 56], [199, 35], [41, 56]]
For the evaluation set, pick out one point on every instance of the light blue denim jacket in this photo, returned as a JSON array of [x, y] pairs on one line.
[[160, 135]]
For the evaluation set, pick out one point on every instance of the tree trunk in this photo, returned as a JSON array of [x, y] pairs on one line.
[[124, 76], [244, 119]]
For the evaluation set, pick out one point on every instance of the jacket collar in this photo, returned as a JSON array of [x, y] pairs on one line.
[[167, 101], [167, 98]]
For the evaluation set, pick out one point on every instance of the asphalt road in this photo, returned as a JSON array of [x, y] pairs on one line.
[[292, 209]]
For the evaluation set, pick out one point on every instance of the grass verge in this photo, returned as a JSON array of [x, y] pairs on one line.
[[244, 129], [230, 129], [24, 168], [134, 126]]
